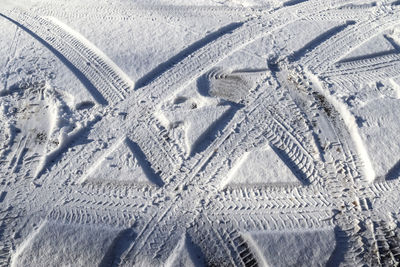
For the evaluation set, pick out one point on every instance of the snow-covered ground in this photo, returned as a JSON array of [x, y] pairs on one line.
[[199, 133]]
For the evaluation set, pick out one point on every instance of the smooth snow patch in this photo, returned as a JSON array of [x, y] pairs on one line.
[[119, 165], [196, 122], [260, 166], [200, 122], [375, 46], [55, 244], [293, 248], [395, 82], [380, 132], [185, 254]]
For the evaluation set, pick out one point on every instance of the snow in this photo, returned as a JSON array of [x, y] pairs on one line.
[[192, 117], [130, 168], [199, 133], [261, 166], [378, 114], [352, 126], [294, 248], [376, 45], [185, 254], [97, 51], [55, 244], [395, 82]]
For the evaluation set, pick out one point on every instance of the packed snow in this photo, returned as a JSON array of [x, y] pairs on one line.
[[199, 133]]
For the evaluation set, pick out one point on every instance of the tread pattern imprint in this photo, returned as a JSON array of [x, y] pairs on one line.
[[256, 144]]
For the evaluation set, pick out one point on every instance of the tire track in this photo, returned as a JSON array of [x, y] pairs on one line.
[[280, 198], [338, 15], [350, 208], [240, 247], [192, 64], [125, 13], [353, 210], [208, 179], [253, 126], [104, 80], [215, 249], [169, 82], [163, 67], [276, 221], [348, 39], [196, 170], [81, 214], [365, 70]]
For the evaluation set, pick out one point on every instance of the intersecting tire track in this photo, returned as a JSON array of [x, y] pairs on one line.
[[192, 61], [71, 216], [320, 58], [358, 235], [272, 130], [278, 134], [342, 180]]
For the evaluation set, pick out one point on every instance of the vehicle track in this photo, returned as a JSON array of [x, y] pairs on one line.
[[353, 210], [336, 193], [145, 236], [354, 35], [365, 70], [187, 62], [100, 75]]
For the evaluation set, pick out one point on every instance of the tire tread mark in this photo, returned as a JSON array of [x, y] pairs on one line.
[[83, 56]]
